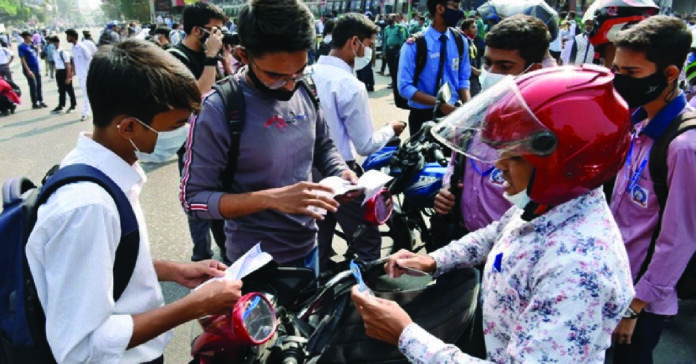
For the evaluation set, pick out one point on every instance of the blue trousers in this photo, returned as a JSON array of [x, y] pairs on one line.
[[644, 340]]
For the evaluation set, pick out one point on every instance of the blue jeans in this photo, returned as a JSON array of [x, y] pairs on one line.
[[35, 91]]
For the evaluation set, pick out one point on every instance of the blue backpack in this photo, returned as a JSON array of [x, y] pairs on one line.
[[23, 323]]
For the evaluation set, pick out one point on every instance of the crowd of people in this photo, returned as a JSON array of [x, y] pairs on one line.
[[554, 185]]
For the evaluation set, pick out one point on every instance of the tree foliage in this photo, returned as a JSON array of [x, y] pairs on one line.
[[129, 9]]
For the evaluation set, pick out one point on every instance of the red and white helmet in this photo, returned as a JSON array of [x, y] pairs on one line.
[[568, 122], [612, 16]]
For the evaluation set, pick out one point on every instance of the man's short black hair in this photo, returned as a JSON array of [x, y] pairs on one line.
[[524, 33], [71, 33], [200, 14], [272, 26], [664, 40], [138, 79], [432, 5], [164, 31], [328, 27], [467, 23], [350, 25]]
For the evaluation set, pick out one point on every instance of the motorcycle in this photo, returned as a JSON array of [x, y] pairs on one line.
[[418, 166], [287, 317]]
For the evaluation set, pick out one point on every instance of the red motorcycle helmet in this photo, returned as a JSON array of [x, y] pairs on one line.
[[611, 16], [568, 122]]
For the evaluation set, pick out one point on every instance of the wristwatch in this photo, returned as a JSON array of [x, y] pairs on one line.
[[630, 314], [210, 61]]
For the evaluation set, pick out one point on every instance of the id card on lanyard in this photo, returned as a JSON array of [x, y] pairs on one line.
[[638, 194]]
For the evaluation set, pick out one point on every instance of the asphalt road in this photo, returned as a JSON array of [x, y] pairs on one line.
[[31, 141]]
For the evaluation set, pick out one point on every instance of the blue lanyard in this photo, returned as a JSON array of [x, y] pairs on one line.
[[484, 173], [636, 175]]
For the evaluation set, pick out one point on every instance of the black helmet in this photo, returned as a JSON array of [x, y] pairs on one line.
[[612, 16], [493, 11]]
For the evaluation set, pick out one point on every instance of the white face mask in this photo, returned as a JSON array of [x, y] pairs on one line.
[[520, 199], [488, 79], [362, 62], [168, 142]]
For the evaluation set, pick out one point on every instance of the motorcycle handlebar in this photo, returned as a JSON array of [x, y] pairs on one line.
[[439, 157]]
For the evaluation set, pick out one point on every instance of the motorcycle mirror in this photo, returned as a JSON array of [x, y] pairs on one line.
[[251, 322], [444, 94], [378, 209], [256, 315]]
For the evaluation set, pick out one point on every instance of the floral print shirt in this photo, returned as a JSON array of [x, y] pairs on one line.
[[553, 290]]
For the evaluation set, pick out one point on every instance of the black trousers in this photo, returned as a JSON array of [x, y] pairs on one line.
[[34, 87], [644, 340], [393, 63], [61, 76], [417, 117], [366, 76]]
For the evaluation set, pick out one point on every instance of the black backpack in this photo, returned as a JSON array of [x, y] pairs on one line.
[[422, 59], [657, 164], [23, 324], [233, 102]]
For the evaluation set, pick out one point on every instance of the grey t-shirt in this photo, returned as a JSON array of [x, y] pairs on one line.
[[280, 143]]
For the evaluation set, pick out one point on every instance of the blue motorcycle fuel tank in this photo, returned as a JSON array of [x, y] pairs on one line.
[[425, 185]]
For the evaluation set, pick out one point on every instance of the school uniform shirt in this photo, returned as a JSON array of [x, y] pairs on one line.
[[482, 200], [584, 51], [71, 254], [5, 56], [60, 58], [346, 108], [82, 56], [554, 288], [636, 209], [453, 73], [280, 144]]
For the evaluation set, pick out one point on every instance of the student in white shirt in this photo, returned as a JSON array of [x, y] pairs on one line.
[[137, 91], [82, 56], [346, 108], [6, 58], [64, 76]]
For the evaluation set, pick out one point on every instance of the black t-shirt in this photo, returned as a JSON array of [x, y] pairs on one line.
[[192, 59]]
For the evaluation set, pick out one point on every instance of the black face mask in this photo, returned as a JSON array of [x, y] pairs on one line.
[[280, 94], [640, 91], [452, 17], [204, 37]]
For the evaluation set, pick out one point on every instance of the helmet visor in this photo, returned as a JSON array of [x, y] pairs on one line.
[[496, 123]]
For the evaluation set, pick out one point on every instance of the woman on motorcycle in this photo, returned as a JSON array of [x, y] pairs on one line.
[[556, 279]]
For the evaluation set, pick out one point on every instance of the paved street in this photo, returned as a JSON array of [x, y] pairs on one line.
[[31, 141]]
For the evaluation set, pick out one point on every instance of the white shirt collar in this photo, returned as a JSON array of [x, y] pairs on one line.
[[92, 153], [336, 62]]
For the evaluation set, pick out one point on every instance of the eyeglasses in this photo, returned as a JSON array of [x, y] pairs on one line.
[[281, 81], [147, 126]]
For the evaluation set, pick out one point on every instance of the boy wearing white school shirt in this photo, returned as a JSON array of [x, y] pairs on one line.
[[136, 91]]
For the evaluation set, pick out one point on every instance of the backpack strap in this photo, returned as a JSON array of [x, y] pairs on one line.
[[127, 250], [233, 103], [459, 40], [311, 88], [455, 179], [421, 56], [657, 165], [422, 52]]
